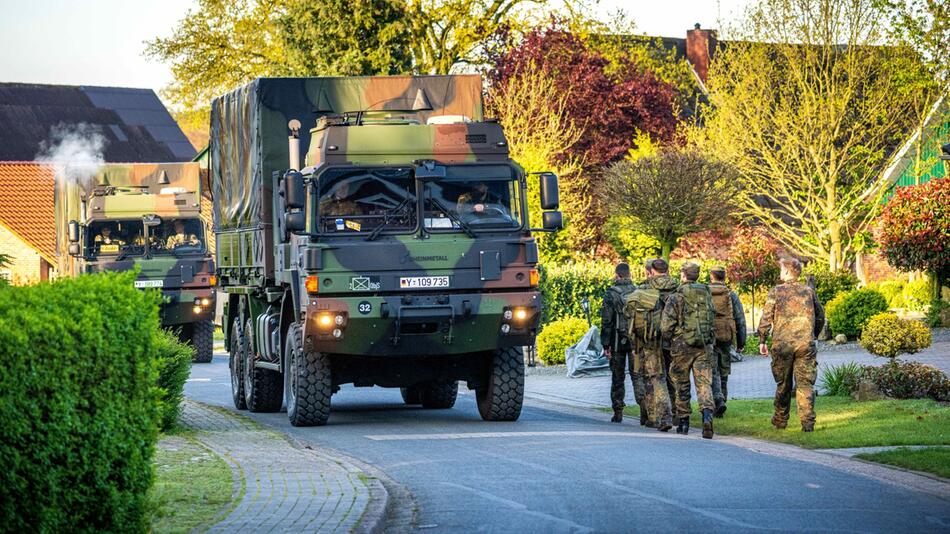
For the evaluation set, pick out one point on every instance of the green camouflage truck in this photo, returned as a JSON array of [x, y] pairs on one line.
[[144, 215], [398, 254]]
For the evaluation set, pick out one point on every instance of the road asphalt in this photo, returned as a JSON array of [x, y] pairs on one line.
[[566, 469]]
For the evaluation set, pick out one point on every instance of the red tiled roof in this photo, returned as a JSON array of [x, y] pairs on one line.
[[26, 205]]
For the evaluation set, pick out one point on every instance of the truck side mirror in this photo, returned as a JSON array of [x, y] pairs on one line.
[[552, 220], [549, 191], [73, 232], [294, 194], [295, 221], [74, 249]]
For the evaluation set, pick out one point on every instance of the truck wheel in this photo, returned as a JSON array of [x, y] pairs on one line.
[[202, 339], [307, 382], [501, 397], [262, 387], [411, 395], [235, 360], [440, 395]]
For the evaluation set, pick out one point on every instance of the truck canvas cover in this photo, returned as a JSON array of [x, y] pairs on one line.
[[249, 127]]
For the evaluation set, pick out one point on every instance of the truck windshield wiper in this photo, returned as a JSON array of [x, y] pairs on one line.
[[389, 213], [452, 215]]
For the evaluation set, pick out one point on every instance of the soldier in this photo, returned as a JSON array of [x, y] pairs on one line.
[[688, 324], [180, 238], [794, 317], [617, 347], [339, 202], [643, 310], [105, 238], [729, 326], [474, 202]]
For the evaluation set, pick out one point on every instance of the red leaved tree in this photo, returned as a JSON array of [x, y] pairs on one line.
[[754, 263]]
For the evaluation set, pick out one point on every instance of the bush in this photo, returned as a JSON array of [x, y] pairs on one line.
[[917, 294], [848, 312], [174, 365], [934, 318], [558, 336], [909, 380], [78, 410], [829, 284], [841, 380], [893, 291], [563, 286], [888, 335]]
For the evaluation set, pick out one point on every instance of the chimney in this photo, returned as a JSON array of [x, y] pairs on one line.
[[700, 47]]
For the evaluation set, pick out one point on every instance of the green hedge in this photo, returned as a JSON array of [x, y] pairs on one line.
[[848, 312], [829, 285], [563, 286], [558, 336], [78, 404], [174, 365]]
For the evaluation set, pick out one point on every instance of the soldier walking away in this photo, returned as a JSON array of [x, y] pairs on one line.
[[688, 323], [644, 310], [617, 346], [794, 317], [729, 326]]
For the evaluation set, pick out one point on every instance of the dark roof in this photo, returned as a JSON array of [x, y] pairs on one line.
[[134, 122]]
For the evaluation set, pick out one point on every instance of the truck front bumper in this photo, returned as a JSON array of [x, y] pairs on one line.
[[182, 306]]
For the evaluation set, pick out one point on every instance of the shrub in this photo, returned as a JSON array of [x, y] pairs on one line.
[[909, 380], [564, 286], [174, 364], [917, 294], [841, 380], [558, 336], [848, 312], [935, 312], [888, 335], [893, 291], [78, 410], [829, 284]]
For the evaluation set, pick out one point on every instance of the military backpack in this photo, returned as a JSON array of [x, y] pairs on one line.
[[644, 309], [696, 326], [618, 294], [723, 324]]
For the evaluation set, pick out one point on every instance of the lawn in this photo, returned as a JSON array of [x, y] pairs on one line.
[[934, 460], [192, 485], [218, 334], [841, 423]]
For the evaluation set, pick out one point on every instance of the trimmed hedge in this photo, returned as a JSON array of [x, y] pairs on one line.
[[563, 286], [558, 336], [174, 365], [848, 312], [78, 404], [828, 284], [887, 335]]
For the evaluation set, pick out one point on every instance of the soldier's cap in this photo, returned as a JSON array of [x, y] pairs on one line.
[[691, 270], [718, 270]]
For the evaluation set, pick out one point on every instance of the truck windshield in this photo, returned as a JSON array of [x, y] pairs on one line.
[[357, 200], [183, 235], [480, 196], [114, 238]]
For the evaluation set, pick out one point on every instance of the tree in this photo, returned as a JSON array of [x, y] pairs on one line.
[[915, 230], [754, 265], [808, 107], [671, 194]]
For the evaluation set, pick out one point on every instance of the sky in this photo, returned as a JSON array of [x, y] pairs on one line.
[[100, 42]]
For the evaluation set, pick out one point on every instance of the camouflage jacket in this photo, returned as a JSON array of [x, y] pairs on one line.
[[793, 315], [672, 324], [611, 316]]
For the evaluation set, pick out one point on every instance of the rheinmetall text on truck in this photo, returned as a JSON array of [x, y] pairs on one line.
[[397, 254]]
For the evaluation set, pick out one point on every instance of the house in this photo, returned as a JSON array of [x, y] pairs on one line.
[[133, 126]]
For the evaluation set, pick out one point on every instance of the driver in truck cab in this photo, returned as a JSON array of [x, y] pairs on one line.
[[339, 202], [475, 200], [105, 237], [180, 238]]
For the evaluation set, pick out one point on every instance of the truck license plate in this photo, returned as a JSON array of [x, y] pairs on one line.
[[149, 283], [416, 282]]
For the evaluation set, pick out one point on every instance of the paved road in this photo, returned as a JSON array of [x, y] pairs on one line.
[[564, 471]]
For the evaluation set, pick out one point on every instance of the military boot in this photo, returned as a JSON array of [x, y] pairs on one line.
[[683, 426], [707, 424], [808, 427], [618, 416], [644, 418], [720, 408], [779, 423]]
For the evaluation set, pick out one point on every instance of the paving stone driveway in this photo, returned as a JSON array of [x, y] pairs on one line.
[[287, 489]]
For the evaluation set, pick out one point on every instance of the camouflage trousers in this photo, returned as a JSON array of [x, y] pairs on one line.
[[620, 362], [801, 367], [655, 381], [721, 362], [696, 359]]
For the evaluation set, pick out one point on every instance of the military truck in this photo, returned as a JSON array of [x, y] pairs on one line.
[[145, 216], [398, 254]]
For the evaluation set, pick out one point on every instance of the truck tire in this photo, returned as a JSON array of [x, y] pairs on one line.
[[202, 339], [235, 361], [262, 387], [411, 395], [308, 385], [502, 395], [439, 395]]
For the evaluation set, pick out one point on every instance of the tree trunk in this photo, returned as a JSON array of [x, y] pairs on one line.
[[666, 249], [835, 256]]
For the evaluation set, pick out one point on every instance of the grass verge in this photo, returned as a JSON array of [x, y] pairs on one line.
[[192, 485], [841, 423], [934, 460], [218, 334]]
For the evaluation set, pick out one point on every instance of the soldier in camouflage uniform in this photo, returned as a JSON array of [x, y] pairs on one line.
[[617, 346], [180, 238], [683, 326], [794, 317], [729, 326]]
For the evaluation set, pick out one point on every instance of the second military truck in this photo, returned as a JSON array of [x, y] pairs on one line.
[[397, 254]]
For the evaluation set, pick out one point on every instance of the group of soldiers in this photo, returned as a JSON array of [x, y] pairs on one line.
[[179, 238], [666, 329]]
